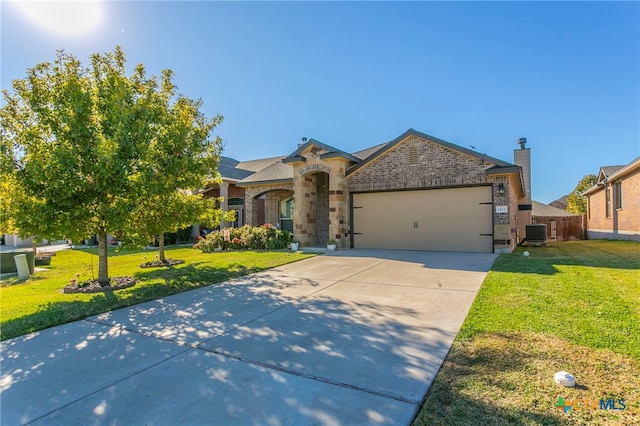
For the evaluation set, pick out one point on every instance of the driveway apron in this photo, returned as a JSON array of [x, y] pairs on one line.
[[351, 337]]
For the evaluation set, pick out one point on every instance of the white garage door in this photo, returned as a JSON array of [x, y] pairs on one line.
[[455, 219]]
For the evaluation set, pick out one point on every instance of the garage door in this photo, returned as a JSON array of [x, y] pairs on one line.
[[455, 219]]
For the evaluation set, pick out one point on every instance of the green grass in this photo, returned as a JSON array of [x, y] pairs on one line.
[[571, 306], [38, 303], [586, 292]]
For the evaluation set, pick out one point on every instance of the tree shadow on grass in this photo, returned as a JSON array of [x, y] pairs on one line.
[[173, 280]]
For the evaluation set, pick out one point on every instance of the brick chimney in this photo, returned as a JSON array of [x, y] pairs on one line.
[[522, 158]]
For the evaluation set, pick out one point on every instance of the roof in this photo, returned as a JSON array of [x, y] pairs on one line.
[[275, 173], [411, 132], [259, 164], [610, 173], [609, 170], [227, 167], [540, 209], [562, 201], [331, 152], [366, 153]]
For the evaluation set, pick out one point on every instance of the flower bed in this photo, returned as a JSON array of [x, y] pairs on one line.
[[264, 237]]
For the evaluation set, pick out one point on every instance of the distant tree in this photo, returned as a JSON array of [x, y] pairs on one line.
[[577, 203], [84, 149]]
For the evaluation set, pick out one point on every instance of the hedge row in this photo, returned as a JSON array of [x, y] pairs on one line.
[[264, 237]]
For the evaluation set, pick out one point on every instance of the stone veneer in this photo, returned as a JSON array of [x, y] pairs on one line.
[[309, 217]]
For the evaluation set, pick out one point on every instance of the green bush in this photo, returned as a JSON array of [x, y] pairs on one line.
[[264, 237]]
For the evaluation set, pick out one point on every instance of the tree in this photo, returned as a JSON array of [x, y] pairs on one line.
[[158, 214], [85, 148], [577, 203]]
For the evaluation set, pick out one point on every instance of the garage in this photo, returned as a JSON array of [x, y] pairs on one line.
[[449, 219]]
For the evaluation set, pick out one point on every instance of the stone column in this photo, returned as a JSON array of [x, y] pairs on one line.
[[338, 203]]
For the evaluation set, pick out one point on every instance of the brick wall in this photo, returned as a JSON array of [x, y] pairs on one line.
[[436, 166], [272, 205], [622, 223], [629, 216]]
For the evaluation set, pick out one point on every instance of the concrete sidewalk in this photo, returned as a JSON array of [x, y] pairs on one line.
[[351, 337]]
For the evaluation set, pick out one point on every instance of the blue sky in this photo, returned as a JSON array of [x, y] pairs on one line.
[[354, 74]]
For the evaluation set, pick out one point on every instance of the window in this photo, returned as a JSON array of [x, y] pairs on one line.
[[607, 195], [617, 195], [286, 215], [235, 202]]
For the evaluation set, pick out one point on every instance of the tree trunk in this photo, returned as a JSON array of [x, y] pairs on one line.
[[103, 265], [161, 247]]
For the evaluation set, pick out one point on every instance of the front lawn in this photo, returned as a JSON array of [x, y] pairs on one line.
[[572, 306], [39, 303]]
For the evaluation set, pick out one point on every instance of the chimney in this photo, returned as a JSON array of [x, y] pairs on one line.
[[522, 158]]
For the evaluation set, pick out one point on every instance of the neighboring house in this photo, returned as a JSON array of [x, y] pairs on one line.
[[561, 225], [561, 203], [613, 208], [415, 192]]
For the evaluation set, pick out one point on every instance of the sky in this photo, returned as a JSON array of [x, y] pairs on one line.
[[565, 75]]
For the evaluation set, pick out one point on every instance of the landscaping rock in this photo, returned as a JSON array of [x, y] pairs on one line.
[[115, 283], [160, 263]]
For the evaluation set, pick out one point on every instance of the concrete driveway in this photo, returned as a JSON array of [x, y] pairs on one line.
[[352, 337]]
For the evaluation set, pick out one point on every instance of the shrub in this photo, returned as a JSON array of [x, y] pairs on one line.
[[264, 237]]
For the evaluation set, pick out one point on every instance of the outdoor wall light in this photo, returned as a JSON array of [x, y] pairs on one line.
[[501, 189]]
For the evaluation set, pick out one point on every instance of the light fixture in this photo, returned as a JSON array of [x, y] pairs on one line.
[[501, 189]]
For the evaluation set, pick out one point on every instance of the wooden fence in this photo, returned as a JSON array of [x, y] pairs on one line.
[[564, 228]]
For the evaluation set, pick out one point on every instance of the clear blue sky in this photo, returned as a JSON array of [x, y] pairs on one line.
[[350, 74]]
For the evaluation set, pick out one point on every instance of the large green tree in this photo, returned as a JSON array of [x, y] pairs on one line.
[[577, 203], [85, 148]]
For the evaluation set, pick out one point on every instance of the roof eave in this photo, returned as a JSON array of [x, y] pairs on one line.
[[508, 170], [294, 159], [340, 155], [264, 182]]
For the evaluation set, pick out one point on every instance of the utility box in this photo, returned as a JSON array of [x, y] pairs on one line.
[[537, 234], [22, 266]]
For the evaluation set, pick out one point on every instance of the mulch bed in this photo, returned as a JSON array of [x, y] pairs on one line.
[[160, 263], [115, 283]]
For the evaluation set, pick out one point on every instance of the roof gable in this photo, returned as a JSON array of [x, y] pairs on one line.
[[606, 171], [312, 143], [383, 148]]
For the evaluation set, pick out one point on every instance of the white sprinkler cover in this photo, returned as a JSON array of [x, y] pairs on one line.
[[565, 379]]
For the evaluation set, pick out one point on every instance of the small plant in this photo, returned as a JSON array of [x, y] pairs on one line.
[[332, 242]]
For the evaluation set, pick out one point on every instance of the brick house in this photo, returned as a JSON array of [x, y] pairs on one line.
[[613, 203], [415, 192]]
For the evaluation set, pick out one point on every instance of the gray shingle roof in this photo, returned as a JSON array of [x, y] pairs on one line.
[[539, 209], [276, 172], [367, 152], [609, 170], [259, 164]]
